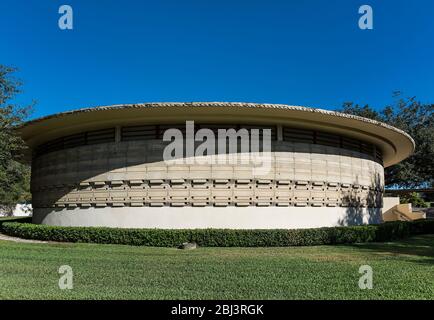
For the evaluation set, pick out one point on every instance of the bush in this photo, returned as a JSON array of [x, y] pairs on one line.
[[415, 199], [221, 237]]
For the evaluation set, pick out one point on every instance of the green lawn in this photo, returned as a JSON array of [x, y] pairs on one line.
[[403, 269]]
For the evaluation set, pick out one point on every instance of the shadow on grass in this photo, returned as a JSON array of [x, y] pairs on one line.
[[417, 246]]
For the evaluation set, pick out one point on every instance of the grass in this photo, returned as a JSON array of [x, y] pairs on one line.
[[402, 270]]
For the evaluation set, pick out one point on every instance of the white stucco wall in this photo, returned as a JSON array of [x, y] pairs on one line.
[[389, 202], [228, 217]]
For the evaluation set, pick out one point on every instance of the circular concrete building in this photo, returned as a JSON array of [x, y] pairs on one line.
[[108, 166]]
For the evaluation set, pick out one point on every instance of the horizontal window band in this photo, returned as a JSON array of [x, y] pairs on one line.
[[151, 132]]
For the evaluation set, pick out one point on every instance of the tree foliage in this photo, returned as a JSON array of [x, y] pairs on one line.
[[414, 198], [416, 119], [14, 175]]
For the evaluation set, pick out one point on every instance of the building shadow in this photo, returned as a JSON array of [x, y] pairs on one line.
[[363, 208]]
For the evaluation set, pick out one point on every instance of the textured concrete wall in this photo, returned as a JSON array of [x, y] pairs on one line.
[[129, 180]]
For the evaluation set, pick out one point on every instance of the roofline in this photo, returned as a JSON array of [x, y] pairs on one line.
[[216, 105]]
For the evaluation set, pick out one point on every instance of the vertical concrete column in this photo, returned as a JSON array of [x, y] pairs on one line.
[[118, 134], [279, 132]]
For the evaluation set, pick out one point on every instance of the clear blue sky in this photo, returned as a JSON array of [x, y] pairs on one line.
[[301, 52]]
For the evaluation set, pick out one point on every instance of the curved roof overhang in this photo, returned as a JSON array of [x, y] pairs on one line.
[[395, 144]]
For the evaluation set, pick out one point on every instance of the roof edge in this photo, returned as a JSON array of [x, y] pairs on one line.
[[220, 104]]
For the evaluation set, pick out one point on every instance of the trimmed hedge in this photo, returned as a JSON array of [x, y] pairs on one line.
[[15, 219], [221, 237]]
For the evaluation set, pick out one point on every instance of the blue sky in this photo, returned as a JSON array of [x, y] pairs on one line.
[[306, 52]]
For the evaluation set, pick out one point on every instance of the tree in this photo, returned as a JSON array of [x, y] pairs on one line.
[[416, 119], [414, 198], [14, 174]]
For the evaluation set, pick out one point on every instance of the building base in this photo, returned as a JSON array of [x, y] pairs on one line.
[[208, 217]]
